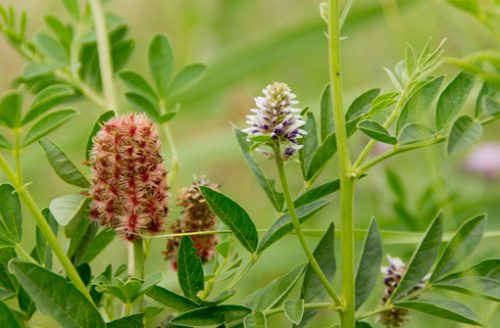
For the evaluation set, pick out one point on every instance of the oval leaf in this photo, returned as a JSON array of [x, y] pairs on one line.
[[10, 209], [453, 98], [266, 184], [133, 321], [62, 165], [274, 293], [422, 259], [369, 265], [142, 105], [161, 59], [415, 132], [56, 296], [211, 315], [326, 111], [233, 216], [312, 288], [284, 226], [361, 105], [188, 76], [65, 208], [464, 133], [189, 269], [312, 194], [47, 99], [376, 131], [8, 317], [486, 287], [256, 319], [446, 309], [46, 125], [137, 83], [10, 109], [461, 245], [171, 300], [309, 143], [294, 310]]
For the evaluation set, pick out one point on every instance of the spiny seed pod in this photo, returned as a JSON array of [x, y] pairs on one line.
[[129, 182], [196, 216], [276, 118], [396, 317]]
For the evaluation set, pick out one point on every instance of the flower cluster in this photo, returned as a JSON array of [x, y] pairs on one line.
[[277, 119], [393, 274], [129, 183], [196, 216]]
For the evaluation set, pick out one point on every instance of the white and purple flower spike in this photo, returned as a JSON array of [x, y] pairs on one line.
[[277, 118]]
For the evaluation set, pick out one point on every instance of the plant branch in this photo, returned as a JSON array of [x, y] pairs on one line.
[[45, 229], [346, 180], [298, 229], [139, 268], [104, 53]]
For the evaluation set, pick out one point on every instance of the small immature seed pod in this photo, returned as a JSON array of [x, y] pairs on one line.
[[276, 118], [129, 183], [196, 216], [396, 317]]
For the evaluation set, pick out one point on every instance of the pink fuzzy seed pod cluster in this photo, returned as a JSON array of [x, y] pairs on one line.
[[196, 216], [129, 183]]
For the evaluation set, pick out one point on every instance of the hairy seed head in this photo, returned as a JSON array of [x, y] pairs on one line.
[[129, 183], [196, 216]]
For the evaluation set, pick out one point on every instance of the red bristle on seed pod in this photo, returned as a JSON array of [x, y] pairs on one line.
[[129, 183], [196, 216]]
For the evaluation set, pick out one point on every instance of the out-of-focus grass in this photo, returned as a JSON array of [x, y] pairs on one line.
[[247, 44]]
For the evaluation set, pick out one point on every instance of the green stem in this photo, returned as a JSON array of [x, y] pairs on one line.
[[298, 229], [16, 153], [104, 53], [397, 151], [45, 229], [346, 180], [139, 267], [242, 273], [26, 255]]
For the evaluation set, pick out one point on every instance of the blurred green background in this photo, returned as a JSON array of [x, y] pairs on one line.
[[246, 45]]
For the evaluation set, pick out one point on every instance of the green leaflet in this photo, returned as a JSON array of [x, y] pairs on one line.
[[446, 309], [453, 98], [369, 265], [185, 78], [56, 296], [256, 319], [234, 216], [376, 131], [10, 209], [211, 315], [268, 185], [422, 260], [62, 165], [294, 310], [46, 100], [419, 103], [464, 133], [170, 299], [161, 59], [274, 293], [312, 288], [284, 225], [47, 124], [461, 245], [137, 83], [189, 269]]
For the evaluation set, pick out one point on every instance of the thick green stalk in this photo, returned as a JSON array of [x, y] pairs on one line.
[[104, 53], [45, 229], [298, 229], [139, 267], [346, 180]]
